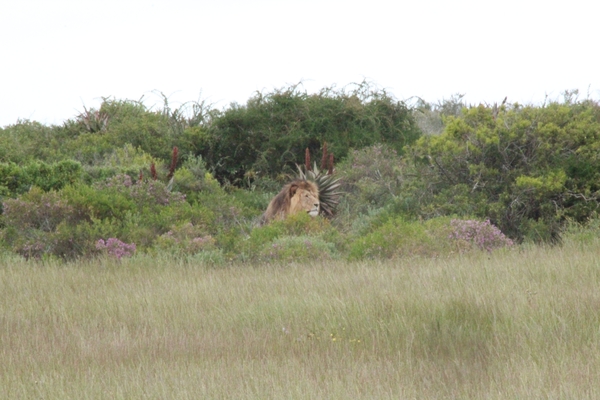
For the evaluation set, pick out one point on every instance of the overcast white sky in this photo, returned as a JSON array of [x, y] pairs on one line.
[[59, 56]]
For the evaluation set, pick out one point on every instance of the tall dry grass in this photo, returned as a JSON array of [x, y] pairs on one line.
[[518, 324]]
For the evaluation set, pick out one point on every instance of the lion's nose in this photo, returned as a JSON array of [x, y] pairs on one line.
[[317, 205]]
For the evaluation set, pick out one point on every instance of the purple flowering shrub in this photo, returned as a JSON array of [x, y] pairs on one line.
[[32, 220], [483, 235], [36, 209], [113, 247]]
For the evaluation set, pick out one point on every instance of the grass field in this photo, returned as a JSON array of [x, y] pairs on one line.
[[518, 324]]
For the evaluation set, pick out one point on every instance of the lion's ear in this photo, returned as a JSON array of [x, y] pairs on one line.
[[293, 189]]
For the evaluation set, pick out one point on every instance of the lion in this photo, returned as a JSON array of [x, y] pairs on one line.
[[297, 196]]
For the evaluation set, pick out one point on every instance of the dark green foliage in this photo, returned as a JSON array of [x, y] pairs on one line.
[[268, 135]]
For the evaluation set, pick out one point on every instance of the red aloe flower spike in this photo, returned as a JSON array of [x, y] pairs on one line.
[[324, 157], [153, 171], [173, 163], [307, 159], [330, 170]]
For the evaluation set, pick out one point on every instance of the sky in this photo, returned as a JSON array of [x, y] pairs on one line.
[[58, 56]]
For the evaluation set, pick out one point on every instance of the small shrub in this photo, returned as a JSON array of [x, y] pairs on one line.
[[319, 230], [294, 225], [185, 239], [298, 249], [482, 235], [113, 247], [38, 210], [210, 257], [393, 239]]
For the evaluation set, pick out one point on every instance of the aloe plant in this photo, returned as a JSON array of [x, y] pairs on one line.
[[329, 197]]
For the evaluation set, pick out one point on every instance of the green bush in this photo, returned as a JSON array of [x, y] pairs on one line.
[[37, 209], [525, 168], [29, 141], [392, 239], [302, 248], [398, 237], [128, 122], [261, 239], [16, 179], [268, 135], [94, 134]]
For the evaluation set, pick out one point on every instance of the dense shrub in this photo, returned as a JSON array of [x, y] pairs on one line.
[[32, 222], [127, 160], [128, 122], [95, 134], [524, 168], [398, 237], [38, 210], [28, 141], [268, 135]]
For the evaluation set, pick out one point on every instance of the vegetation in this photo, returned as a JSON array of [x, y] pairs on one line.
[[513, 324], [526, 168], [195, 180], [457, 256], [268, 135]]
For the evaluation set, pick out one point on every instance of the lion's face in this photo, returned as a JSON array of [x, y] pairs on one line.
[[305, 200], [297, 196]]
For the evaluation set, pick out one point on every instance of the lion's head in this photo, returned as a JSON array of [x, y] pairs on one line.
[[297, 196]]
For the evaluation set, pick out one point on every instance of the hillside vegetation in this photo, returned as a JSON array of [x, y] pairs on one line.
[[192, 181]]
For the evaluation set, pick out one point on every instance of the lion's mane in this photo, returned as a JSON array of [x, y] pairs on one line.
[[298, 195]]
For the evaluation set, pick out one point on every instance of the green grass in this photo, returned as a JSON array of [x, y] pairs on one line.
[[515, 324]]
